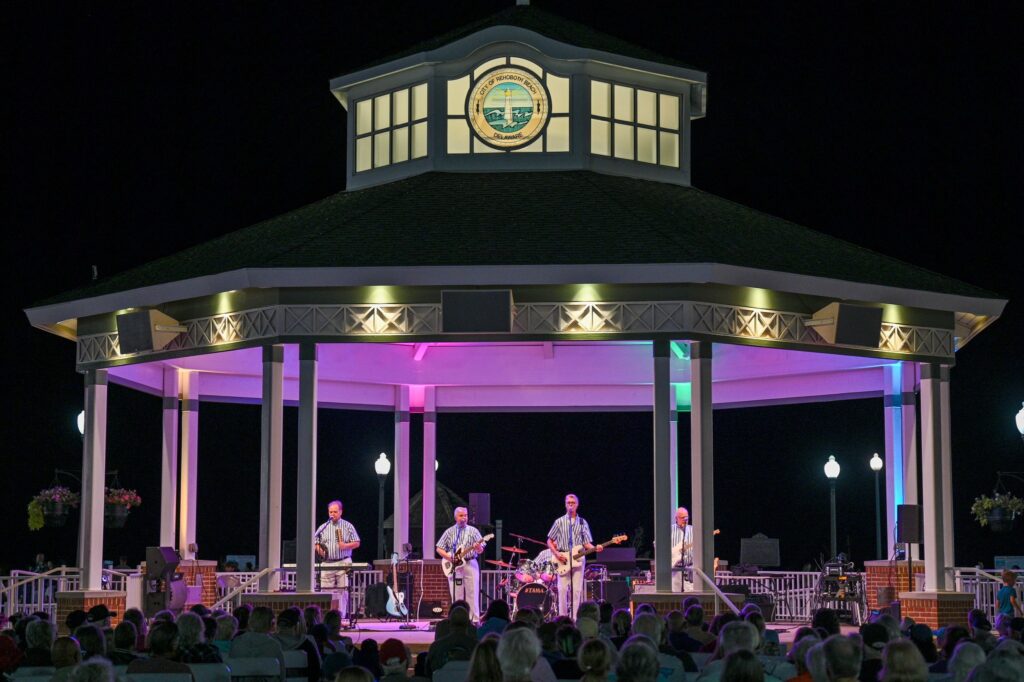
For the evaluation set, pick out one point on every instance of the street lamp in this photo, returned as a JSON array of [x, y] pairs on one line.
[[832, 472], [876, 466], [383, 467], [80, 422], [1020, 421]]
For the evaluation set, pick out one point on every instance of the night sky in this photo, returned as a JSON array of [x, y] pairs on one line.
[[136, 130]]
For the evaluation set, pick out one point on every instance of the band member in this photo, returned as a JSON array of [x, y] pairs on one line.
[[682, 550], [463, 582], [566, 532], [335, 540]]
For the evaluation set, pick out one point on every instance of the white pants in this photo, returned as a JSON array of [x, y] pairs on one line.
[[463, 584], [332, 580], [575, 577], [680, 583]]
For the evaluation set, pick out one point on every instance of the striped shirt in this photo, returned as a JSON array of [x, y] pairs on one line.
[[328, 536], [684, 536], [456, 537], [560, 532]]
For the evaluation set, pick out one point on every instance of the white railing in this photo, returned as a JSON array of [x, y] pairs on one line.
[[792, 591], [983, 583], [28, 591], [246, 582]]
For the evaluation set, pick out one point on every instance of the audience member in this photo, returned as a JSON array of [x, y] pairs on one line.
[[568, 640], [923, 638], [484, 665], [588, 627], [902, 662], [138, 619], [1007, 599], [604, 623], [638, 660], [596, 659], [826, 618], [548, 649], [621, 621], [66, 654], [227, 627], [163, 650], [951, 636], [394, 661], [798, 657], [192, 644], [100, 616], [965, 658], [256, 642], [981, 630], [11, 655], [74, 619], [93, 642], [354, 673], [311, 616], [95, 670], [654, 627], [842, 658], [125, 641], [694, 626], [242, 613], [442, 629], [742, 666], [495, 619], [874, 637], [518, 651], [291, 633], [39, 637], [589, 609], [458, 645]]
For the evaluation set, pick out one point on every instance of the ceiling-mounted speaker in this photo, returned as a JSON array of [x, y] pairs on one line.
[[848, 325], [475, 311], [146, 330]]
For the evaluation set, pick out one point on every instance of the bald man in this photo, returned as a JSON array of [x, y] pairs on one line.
[[682, 550]]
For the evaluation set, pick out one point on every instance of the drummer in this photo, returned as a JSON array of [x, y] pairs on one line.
[[545, 565]]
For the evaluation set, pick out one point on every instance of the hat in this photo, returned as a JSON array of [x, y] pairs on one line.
[[99, 613], [392, 651], [75, 618], [288, 618], [875, 635], [978, 620]]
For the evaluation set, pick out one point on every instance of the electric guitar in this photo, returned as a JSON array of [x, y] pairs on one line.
[[579, 551], [396, 600], [678, 550], [458, 557]]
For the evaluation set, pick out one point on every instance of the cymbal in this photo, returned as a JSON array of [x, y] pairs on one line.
[[514, 550], [500, 564], [529, 539]]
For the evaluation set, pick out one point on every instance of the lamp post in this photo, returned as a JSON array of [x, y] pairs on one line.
[[1020, 421], [383, 467], [876, 466], [832, 472], [80, 423]]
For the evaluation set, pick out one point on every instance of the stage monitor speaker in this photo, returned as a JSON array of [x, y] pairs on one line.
[[908, 523], [852, 325], [616, 593], [145, 330], [476, 311], [431, 609], [480, 509], [161, 561]]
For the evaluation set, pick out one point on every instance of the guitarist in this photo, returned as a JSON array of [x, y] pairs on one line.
[[335, 540], [682, 550], [567, 531], [461, 544]]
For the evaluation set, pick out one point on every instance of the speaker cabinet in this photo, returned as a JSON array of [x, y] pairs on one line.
[[480, 509], [851, 325], [476, 311], [160, 561], [908, 523], [137, 331]]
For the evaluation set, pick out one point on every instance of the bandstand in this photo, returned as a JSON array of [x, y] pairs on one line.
[[519, 233]]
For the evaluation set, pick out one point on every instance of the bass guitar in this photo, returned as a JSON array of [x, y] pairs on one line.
[[396, 600], [579, 551], [458, 557]]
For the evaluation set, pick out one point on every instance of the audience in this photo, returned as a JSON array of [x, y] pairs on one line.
[[902, 662], [92, 640], [39, 635], [595, 659], [256, 642], [66, 654], [227, 628], [484, 665], [125, 643], [458, 645], [965, 658], [291, 633], [517, 652], [163, 650], [842, 658], [394, 661], [638, 660], [873, 637], [192, 644], [495, 619], [742, 666]]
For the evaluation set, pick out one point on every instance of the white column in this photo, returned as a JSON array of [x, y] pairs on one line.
[[429, 475], [169, 460], [305, 485], [894, 402], [702, 511], [662, 473], [94, 472], [673, 446], [188, 382], [931, 478], [947, 475], [401, 512], [271, 424], [910, 462]]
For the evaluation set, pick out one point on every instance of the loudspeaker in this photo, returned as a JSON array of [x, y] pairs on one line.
[[476, 311], [431, 610], [137, 331], [908, 523], [288, 552], [480, 509], [616, 593], [852, 325], [160, 561], [765, 602]]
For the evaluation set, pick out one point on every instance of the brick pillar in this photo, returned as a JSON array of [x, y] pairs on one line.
[[84, 600], [433, 581], [204, 574], [883, 574]]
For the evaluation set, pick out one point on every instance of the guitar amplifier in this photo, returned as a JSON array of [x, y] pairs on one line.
[[431, 610], [767, 604]]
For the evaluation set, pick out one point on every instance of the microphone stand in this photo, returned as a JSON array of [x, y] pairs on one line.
[[407, 625], [572, 578]]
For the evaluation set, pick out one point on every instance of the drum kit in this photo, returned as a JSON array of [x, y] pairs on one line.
[[533, 583]]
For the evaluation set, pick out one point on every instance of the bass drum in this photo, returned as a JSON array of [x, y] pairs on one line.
[[534, 595]]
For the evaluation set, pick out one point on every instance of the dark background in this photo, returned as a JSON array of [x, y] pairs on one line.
[[137, 129]]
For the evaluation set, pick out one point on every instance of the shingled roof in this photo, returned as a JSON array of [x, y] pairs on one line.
[[538, 218], [546, 24]]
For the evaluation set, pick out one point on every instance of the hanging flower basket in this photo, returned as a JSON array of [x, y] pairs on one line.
[[117, 505], [998, 512], [50, 507]]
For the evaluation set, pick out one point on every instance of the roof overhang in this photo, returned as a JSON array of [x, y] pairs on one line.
[[973, 313]]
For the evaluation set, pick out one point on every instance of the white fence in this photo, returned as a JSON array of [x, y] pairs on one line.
[[358, 579]]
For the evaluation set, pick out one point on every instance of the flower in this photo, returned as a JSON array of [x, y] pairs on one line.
[[121, 497], [983, 506], [57, 493]]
